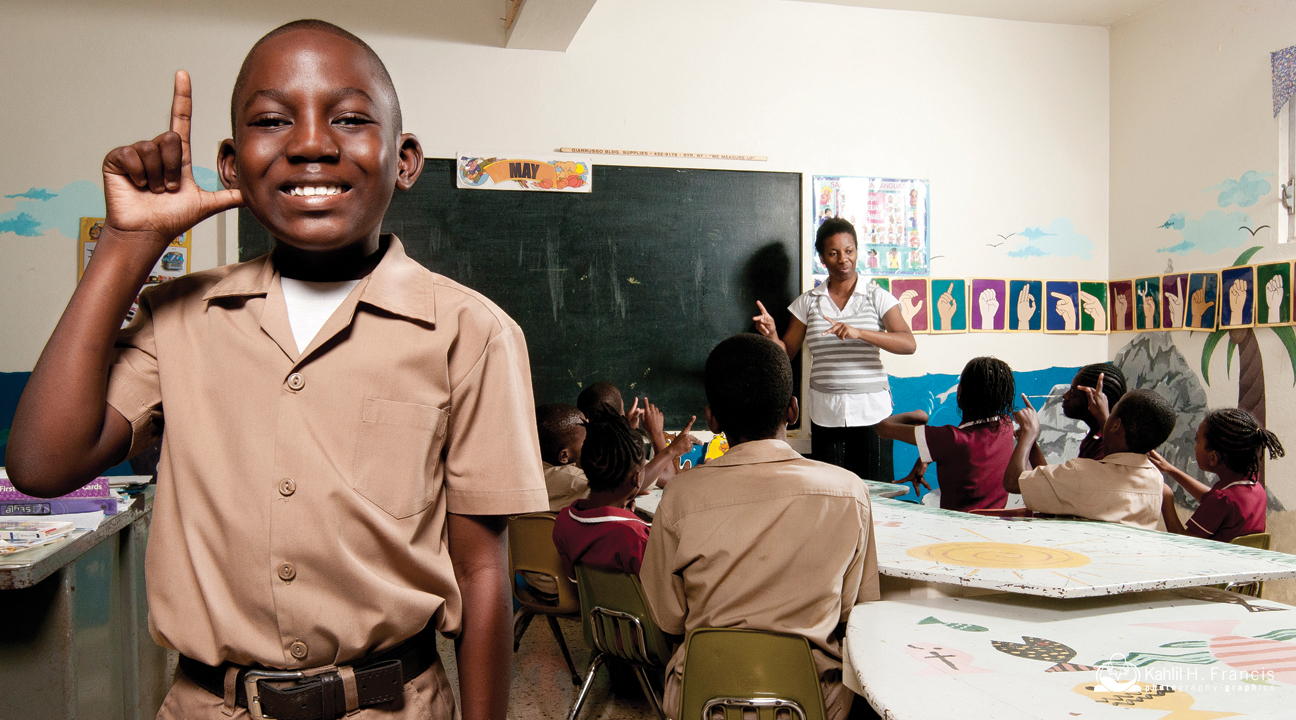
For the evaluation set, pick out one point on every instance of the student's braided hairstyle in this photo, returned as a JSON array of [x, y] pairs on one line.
[[1113, 381], [612, 449], [986, 389], [1240, 440]]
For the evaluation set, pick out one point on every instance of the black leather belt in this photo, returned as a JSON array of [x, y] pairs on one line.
[[308, 695]]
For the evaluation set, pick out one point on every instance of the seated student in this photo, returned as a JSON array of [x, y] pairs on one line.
[[600, 530], [1094, 391], [605, 395], [1123, 487], [760, 537], [971, 456], [562, 433], [1230, 443]]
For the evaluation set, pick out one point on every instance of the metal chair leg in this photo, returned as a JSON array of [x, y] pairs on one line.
[[646, 685], [521, 621], [595, 662], [562, 644]]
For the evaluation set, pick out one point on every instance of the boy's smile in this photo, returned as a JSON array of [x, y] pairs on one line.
[[316, 152]]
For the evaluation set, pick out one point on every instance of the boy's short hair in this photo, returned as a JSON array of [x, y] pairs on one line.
[[599, 394], [833, 226], [557, 424], [986, 389], [384, 77], [1148, 420], [1113, 380], [612, 449], [748, 382]]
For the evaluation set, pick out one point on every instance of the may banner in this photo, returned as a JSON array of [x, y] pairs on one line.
[[500, 172]]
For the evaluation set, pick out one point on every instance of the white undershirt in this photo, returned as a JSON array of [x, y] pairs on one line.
[[311, 304]]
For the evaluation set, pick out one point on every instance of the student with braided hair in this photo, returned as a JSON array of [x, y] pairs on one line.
[[1231, 444], [600, 530], [971, 456]]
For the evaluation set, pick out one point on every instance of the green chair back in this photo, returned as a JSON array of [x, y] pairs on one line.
[[531, 549], [728, 671], [1260, 541], [617, 619]]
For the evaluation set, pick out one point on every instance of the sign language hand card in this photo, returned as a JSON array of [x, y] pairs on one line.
[[1174, 301], [915, 302], [1025, 298], [1237, 290], [1093, 307], [950, 314], [1273, 294], [989, 305], [1121, 298], [1062, 300], [1147, 306], [1203, 301]]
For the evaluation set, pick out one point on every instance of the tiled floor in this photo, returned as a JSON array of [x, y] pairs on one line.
[[542, 687]]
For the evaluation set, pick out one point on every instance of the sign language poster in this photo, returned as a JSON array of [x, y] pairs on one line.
[[989, 305], [1174, 294], [890, 217], [1273, 293], [1147, 306], [1093, 307], [1120, 294], [1203, 300], [1025, 298], [1062, 299], [915, 302], [1237, 288], [950, 313]]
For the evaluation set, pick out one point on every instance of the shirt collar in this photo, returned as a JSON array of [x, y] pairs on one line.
[[756, 451], [861, 284], [1129, 459], [982, 421], [1243, 481], [397, 285]]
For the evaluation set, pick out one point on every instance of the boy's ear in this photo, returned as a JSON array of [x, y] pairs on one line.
[[564, 456], [712, 423], [225, 164], [410, 163], [793, 411]]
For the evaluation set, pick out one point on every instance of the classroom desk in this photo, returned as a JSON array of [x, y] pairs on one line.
[[74, 640], [1055, 558], [1012, 657]]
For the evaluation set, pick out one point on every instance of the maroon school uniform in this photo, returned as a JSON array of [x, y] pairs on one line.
[[604, 537], [1230, 511], [1091, 447], [970, 460]]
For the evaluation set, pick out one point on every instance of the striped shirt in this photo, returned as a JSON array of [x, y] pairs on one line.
[[844, 366]]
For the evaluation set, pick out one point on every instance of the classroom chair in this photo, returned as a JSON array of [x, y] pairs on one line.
[[531, 548], [729, 672], [618, 624], [1259, 541]]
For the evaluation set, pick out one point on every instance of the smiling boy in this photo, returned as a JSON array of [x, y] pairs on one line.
[[332, 489]]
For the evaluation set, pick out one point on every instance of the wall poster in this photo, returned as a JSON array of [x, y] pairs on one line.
[[174, 262], [890, 216]]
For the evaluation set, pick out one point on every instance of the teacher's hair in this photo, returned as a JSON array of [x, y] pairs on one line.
[[833, 226], [986, 390], [748, 382]]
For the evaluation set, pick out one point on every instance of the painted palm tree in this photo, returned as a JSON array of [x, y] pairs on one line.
[[1251, 381]]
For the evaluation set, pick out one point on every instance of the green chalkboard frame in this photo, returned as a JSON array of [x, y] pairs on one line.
[[633, 283]]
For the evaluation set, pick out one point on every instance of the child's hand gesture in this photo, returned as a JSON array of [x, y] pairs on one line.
[[1098, 403], [683, 442], [765, 323], [149, 186], [1027, 421]]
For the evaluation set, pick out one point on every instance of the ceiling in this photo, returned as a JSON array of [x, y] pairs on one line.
[[1101, 13]]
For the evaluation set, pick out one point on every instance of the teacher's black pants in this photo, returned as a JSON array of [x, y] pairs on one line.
[[857, 449]]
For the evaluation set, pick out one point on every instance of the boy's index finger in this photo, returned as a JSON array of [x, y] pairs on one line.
[[1098, 387], [182, 112], [1027, 401], [689, 426]]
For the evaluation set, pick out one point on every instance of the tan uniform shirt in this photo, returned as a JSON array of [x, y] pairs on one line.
[[300, 517], [761, 538], [566, 483], [1122, 488]]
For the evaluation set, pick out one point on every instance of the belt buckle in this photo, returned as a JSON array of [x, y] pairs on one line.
[[250, 679]]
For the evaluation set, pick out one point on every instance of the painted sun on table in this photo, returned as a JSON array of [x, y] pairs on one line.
[[1012, 556]]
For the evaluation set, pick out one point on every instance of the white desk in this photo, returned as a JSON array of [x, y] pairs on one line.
[[1007, 656], [1056, 558]]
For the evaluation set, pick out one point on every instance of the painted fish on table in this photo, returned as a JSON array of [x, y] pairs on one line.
[[1041, 649], [1151, 697], [929, 620], [1259, 657]]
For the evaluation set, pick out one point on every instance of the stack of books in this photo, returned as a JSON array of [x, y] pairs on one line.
[[95, 496], [18, 535]]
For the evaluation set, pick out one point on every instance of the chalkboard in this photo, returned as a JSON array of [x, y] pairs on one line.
[[633, 283]]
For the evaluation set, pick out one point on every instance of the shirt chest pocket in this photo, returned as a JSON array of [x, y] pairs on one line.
[[398, 448]]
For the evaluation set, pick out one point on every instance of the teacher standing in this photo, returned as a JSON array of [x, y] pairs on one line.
[[846, 322]]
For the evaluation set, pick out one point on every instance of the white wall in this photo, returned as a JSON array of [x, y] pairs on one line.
[[1191, 108], [1008, 120]]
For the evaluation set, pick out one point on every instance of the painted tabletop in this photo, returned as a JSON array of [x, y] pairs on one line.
[[1056, 558], [1190, 654]]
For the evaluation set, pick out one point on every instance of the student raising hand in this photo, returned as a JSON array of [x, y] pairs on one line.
[[149, 186]]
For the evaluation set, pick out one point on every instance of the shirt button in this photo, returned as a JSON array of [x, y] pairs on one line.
[[287, 487], [287, 571], [298, 650], [296, 382]]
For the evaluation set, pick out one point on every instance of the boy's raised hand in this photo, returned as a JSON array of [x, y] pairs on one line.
[[1027, 421], [149, 186], [1099, 406], [684, 442]]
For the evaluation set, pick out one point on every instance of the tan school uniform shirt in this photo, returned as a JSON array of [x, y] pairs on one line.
[[300, 516], [1121, 488], [566, 484], [765, 539]]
